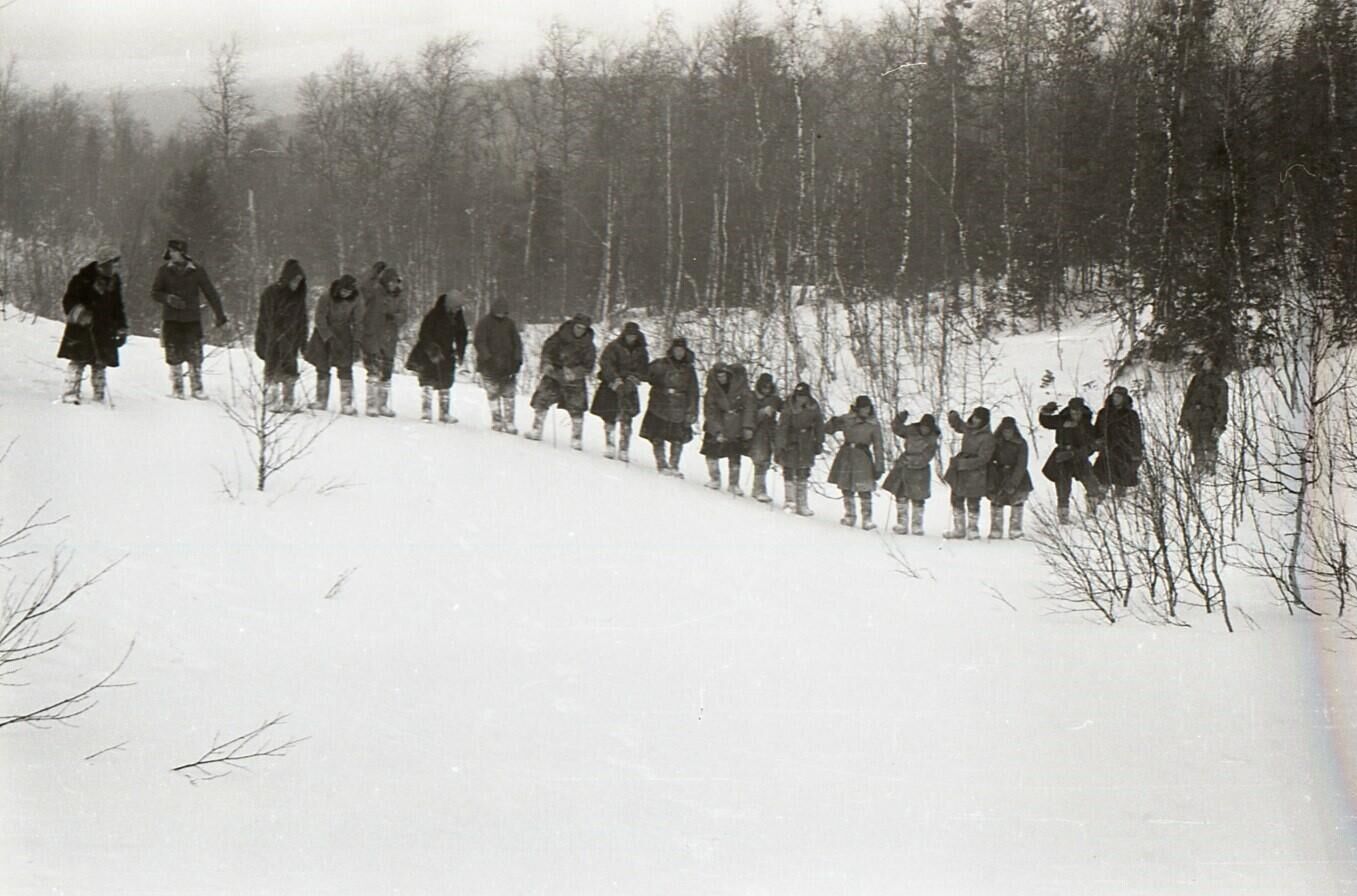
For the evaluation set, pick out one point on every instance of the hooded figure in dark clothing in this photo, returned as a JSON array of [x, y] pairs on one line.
[[672, 408], [728, 422], [1009, 482], [499, 357], [1075, 441], [1206, 411], [384, 314], [436, 355], [280, 333], [1121, 444], [968, 472], [759, 447], [335, 342], [911, 476], [797, 443], [96, 324], [567, 360], [621, 369]]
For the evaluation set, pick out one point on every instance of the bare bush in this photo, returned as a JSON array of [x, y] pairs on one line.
[[226, 756]]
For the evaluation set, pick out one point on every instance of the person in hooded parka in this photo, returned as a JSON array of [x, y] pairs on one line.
[[437, 353], [1010, 484], [334, 343], [859, 462], [568, 358], [671, 411], [911, 477], [617, 400], [759, 447], [1205, 413], [96, 324], [499, 358], [1121, 443], [384, 314], [797, 444], [968, 472], [727, 423], [280, 334]]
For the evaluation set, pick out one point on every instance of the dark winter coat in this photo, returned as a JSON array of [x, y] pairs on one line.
[[968, 472], [440, 347], [911, 476], [860, 461], [191, 284], [1009, 481], [1206, 407], [673, 390], [281, 329], [1121, 445], [759, 447], [384, 311], [568, 358], [800, 437], [728, 411], [1074, 443], [334, 342], [621, 368], [499, 348], [98, 342]]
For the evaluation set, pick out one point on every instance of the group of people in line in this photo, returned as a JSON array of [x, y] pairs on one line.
[[362, 320]]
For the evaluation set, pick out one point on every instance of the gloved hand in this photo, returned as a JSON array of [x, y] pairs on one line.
[[746, 434], [120, 338], [954, 418], [175, 302], [1050, 407], [80, 316]]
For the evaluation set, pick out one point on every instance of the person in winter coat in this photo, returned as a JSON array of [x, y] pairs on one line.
[[280, 333], [1206, 411], [179, 287], [859, 463], [1009, 482], [759, 446], [797, 442], [567, 360], [384, 315], [1075, 440], [728, 422], [96, 324], [621, 369], [335, 341], [437, 353], [911, 477], [1121, 445], [968, 472], [499, 357], [672, 409]]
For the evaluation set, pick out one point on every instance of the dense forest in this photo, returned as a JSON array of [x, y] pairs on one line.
[[1183, 163]]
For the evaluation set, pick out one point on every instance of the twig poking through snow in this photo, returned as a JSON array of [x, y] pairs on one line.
[[338, 586]]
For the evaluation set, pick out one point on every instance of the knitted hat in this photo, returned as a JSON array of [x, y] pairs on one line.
[[764, 383]]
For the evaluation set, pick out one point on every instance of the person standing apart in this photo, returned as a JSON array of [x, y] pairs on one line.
[[180, 286], [96, 324], [1206, 411]]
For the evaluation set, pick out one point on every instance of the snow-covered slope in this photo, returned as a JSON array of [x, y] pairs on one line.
[[552, 673]]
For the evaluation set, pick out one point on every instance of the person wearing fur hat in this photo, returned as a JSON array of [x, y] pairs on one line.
[[437, 352], [858, 465], [1205, 413], [567, 360], [759, 447], [968, 472], [727, 422], [96, 324], [797, 442], [179, 288], [280, 333], [1121, 443], [1075, 441], [499, 357], [1009, 482], [384, 316], [911, 477], [621, 368], [334, 342], [672, 410]]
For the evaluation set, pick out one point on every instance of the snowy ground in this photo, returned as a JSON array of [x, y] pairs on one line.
[[552, 673]]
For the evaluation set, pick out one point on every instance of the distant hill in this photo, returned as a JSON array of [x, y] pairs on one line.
[[165, 108]]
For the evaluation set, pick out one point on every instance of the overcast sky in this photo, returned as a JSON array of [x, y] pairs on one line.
[[158, 43]]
